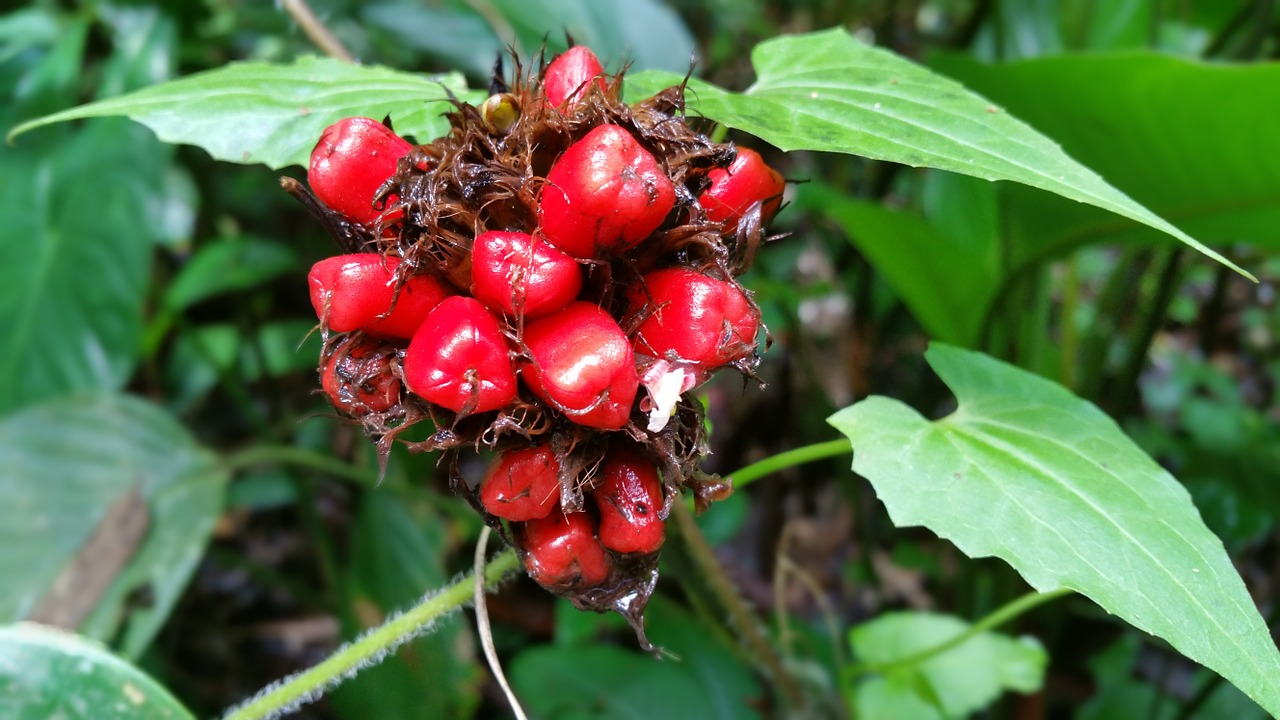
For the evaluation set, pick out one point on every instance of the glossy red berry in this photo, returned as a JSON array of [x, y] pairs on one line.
[[522, 484], [569, 75], [693, 318], [357, 376], [604, 194], [351, 292], [562, 550], [458, 359], [351, 161], [582, 363], [630, 499], [515, 273], [747, 181]]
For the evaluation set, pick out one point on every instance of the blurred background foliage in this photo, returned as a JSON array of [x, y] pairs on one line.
[[159, 389]]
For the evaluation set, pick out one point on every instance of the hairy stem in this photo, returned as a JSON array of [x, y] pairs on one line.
[[370, 647]]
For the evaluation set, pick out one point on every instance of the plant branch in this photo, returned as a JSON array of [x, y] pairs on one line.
[[781, 461], [722, 587], [289, 455], [997, 618], [370, 648], [316, 31]]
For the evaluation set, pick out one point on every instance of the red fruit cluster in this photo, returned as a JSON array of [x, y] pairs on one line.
[[547, 282]]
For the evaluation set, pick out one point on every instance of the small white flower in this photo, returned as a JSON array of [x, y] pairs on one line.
[[666, 382]]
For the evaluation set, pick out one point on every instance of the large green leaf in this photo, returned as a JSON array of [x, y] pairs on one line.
[[645, 33], [953, 684], [1185, 138], [231, 264], [65, 463], [46, 673], [947, 278], [827, 91], [253, 112], [1025, 471], [592, 680], [77, 250]]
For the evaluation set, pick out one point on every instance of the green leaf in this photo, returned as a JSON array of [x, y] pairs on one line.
[[26, 28], [1166, 130], [1027, 472], [591, 680], [955, 683], [1118, 691], [201, 355], [646, 33], [66, 463], [892, 697], [228, 265], [74, 274], [46, 673], [253, 112], [944, 277], [827, 91], [456, 37]]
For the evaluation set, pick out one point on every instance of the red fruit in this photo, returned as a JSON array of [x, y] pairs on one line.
[[630, 498], [522, 484], [695, 319], [568, 76], [747, 181], [562, 551], [358, 378], [351, 292], [458, 359], [604, 194], [583, 364], [351, 161], [514, 273]]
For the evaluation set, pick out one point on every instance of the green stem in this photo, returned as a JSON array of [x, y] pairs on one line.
[[1125, 396], [781, 461], [301, 457], [1068, 333], [370, 648], [997, 618]]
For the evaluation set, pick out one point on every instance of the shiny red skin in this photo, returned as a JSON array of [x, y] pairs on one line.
[[350, 292], [698, 319], [459, 360], [568, 76], [351, 161], [522, 484], [515, 273], [357, 376], [605, 194], [563, 551], [747, 181], [630, 498], [580, 359]]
